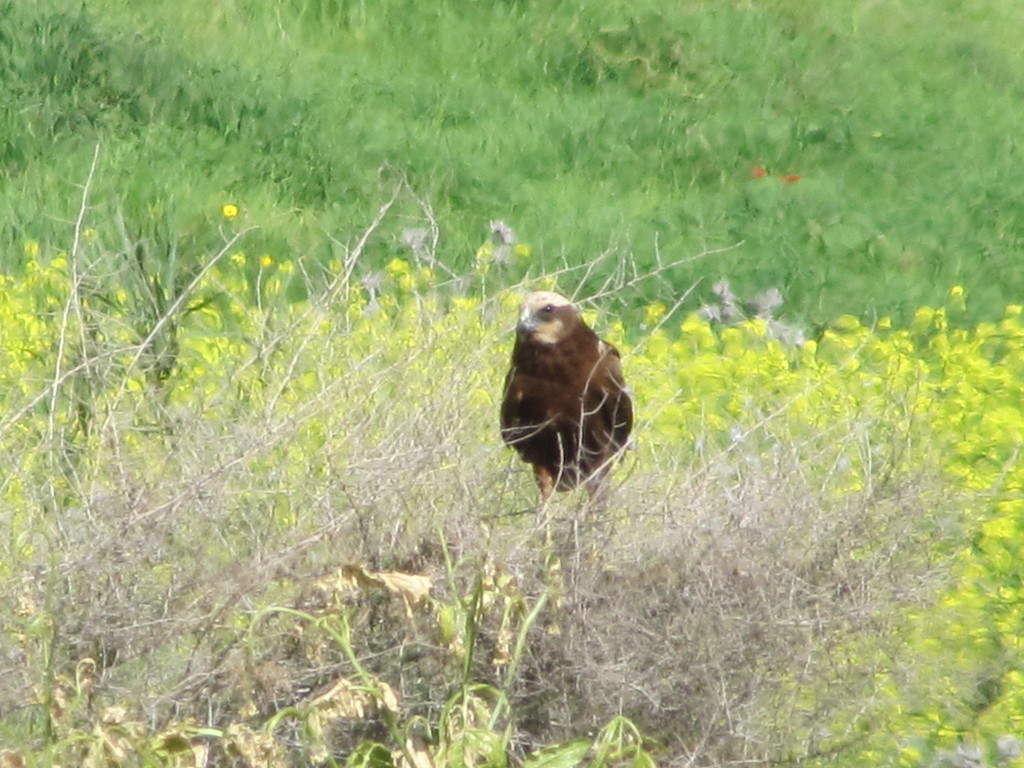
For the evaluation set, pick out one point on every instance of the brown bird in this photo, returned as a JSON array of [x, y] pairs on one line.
[[566, 409]]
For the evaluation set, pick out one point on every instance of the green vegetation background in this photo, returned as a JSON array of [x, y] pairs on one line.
[[861, 157], [625, 127]]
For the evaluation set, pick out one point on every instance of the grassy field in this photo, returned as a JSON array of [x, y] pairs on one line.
[[629, 129], [255, 318]]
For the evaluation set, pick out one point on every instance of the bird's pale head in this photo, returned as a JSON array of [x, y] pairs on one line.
[[546, 317]]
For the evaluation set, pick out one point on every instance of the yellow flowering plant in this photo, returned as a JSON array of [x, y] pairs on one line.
[[235, 392]]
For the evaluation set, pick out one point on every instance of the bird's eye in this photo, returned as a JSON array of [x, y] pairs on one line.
[[548, 309]]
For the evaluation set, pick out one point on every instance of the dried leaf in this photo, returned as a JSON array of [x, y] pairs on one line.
[[388, 697], [414, 589], [503, 644], [416, 753], [114, 715], [85, 674], [257, 748], [341, 700], [344, 699]]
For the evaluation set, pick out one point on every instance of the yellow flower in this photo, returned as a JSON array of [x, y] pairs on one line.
[[266, 260], [546, 283], [230, 210], [923, 317], [397, 268], [32, 249], [273, 286], [654, 312], [510, 301], [484, 256], [957, 298], [846, 323]]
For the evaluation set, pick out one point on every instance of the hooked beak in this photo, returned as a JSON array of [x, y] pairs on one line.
[[527, 323]]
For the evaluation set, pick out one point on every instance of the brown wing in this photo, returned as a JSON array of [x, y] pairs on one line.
[[617, 407], [522, 408], [512, 394], [608, 410]]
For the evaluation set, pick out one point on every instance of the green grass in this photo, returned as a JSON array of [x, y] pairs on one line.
[[623, 127]]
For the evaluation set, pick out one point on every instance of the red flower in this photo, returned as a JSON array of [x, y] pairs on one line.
[[790, 178], [758, 172]]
